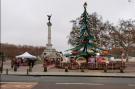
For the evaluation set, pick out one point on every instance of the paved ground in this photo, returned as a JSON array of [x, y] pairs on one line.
[[18, 85], [38, 70], [110, 80], [47, 82], [64, 86]]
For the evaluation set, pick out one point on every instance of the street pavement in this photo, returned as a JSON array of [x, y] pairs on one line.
[[52, 71], [18, 85], [53, 82], [74, 79]]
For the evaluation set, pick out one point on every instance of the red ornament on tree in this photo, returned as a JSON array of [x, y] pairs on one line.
[[84, 41], [75, 52]]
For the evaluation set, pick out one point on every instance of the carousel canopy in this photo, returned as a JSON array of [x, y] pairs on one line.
[[26, 55]]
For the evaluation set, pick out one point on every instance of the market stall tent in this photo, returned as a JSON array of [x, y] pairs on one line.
[[26, 55]]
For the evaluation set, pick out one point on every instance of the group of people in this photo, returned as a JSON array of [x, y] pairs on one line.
[[48, 61], [15, 63], [99, 59]]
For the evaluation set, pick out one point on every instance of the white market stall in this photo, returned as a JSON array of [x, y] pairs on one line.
[[26, 59], [26, 55]]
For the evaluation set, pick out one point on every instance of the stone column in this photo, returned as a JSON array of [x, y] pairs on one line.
[[49, 45]]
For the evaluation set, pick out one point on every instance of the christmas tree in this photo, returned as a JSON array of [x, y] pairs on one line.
[[87, 46]]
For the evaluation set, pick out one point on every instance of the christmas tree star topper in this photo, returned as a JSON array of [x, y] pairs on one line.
[[85, 5]]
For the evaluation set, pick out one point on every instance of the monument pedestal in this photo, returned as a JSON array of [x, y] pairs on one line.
[[51, 54]]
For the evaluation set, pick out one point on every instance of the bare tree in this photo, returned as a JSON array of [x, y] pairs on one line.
[[124, 35], [11, 50]]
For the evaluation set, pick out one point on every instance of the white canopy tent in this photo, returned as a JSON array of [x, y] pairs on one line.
[[26, 55]]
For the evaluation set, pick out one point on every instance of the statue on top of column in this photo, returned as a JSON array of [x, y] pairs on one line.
[[49, 17]]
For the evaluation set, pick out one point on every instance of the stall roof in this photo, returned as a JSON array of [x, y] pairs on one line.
[[26, 55]]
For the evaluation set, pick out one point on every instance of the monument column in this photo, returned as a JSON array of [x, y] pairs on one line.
[[49, 24], [50, 52]]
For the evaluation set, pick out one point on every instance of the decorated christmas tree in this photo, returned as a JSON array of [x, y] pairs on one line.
[[87, 46]]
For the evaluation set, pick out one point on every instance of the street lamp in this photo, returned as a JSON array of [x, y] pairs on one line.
[[1, 61]]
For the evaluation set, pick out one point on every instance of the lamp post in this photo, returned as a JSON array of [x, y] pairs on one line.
[[1, 61]]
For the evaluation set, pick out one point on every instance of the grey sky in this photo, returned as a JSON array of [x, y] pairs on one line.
[[24, 21]]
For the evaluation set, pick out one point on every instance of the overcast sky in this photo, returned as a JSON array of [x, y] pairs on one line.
[[24, 21]]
